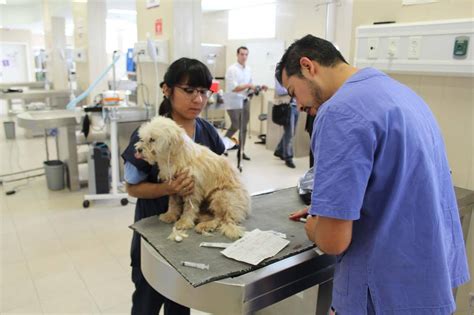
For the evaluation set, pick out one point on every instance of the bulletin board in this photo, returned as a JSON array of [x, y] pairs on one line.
[[13, 62], [263, 58]]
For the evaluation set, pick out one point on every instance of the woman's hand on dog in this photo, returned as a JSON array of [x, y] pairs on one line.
[[182, 184]]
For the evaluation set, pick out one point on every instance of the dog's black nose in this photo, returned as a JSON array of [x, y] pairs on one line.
[[139, 150]]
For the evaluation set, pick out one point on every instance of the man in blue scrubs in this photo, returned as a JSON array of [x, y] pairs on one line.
[[383, 198]]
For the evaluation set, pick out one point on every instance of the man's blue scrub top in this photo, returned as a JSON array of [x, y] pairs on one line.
[[380, 161]]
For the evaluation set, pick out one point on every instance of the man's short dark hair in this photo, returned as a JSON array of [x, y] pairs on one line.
[[312, 47], [242, 47]]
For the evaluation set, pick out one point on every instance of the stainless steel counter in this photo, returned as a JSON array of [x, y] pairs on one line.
[[52, 98], [34, 94], [29, 84], [66, 123], [47, 119]]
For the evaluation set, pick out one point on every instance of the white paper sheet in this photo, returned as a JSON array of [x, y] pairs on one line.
[[255, 246]]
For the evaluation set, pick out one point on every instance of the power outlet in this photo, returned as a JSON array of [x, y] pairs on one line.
[[414, 47], [372, 46], [393, 44]]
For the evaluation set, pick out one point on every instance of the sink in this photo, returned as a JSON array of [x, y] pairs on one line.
[[47, 119]]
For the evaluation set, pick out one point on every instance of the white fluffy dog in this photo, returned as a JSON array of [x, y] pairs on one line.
[[219, 200]]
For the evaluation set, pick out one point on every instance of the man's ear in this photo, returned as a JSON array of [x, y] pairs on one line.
[[308, 67]]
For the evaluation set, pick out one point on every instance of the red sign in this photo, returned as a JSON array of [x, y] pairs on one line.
[[158, 27]]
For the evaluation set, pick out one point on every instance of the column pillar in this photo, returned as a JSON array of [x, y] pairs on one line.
[[55, 44], [90, 40], [181, 20]]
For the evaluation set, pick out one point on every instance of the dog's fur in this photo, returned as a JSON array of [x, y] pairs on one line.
[[219, 201]]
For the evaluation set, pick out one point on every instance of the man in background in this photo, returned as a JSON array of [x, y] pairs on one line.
[[238, 79], [284, 149]]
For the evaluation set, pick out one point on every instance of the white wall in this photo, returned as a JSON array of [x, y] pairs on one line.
[[294, 19]]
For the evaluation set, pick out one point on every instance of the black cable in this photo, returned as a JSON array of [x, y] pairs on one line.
[[23, 178], [21, 172], [15, 189], [147, 100]]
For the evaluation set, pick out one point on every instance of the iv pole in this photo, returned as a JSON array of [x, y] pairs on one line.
[[111, 112]]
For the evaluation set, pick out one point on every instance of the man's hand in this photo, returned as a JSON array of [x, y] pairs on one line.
[[302, 213], [182, 184]]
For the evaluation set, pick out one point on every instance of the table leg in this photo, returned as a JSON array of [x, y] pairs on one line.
[[46, 143], [324, 298]]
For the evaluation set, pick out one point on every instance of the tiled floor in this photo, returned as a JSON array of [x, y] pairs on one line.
[[58, 258]]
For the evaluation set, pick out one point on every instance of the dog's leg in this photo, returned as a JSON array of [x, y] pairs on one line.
[[230, 207], [175, 208], [208, 226], [190, 212]]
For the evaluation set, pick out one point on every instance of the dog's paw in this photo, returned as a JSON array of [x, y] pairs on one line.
[[206, 227], [184, 224], [232, 231], [168, 217]]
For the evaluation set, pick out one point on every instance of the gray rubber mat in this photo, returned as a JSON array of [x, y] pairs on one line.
[[269, 212]]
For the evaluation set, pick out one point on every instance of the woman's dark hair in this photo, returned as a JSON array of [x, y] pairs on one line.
[[314, 48], [187, 71]]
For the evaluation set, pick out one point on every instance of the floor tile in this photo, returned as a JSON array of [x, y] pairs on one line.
[[58, 284], [101, 271], [13, 272], [17, 294], [70, 303], [30, 309], [50, 265], [112, 293], [120, 309], [11, 251]]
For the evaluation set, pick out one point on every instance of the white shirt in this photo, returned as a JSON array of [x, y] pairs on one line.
[[237, 75]]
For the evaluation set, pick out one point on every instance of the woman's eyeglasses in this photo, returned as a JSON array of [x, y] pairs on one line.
[[193, 92]]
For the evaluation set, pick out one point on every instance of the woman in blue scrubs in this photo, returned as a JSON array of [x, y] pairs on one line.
[[186, 91]]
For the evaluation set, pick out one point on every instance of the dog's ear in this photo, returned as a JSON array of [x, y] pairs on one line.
[[176, 140]]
